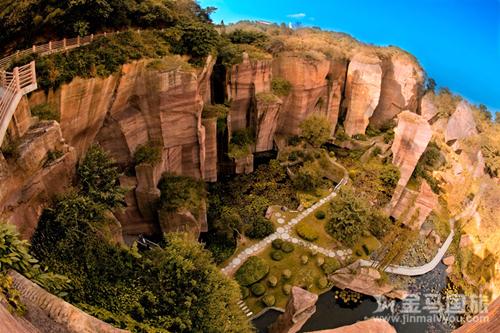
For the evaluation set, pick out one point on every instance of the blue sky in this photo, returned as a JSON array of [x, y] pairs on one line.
[[456, 41]]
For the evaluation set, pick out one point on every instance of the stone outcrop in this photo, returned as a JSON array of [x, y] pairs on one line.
[[363, 87], [364, 280], [244, 165], [412, 135], [267, 112], [247, 79], [428, 109], [209, 145], [485, 322], [317, 85], [413, 207], [461, 124], [401, 82], [374, 325], [32, 180], [300, 307], [65, 317]]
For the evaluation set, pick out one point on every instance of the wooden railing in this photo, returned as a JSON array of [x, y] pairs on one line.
[[13, 85], [53, 47]]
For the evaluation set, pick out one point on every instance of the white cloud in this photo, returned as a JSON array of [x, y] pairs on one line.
[[298, 15]]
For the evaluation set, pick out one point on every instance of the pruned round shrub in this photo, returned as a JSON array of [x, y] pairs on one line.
[[330, 265], [244, 292], [287, 247], [320, 215], [269, 300], [286, 274], [277, 243], [272, 281], [277, 255], [287, 289], [313, 253], [322, 282], [258, 289], [304, 259], [253, 270], [320, 261], [307, 232]]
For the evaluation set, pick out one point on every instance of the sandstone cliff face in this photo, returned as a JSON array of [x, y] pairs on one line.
[[31, 180], [363, 86], [428, 109], [267, 113], [317, 85], [374, 325], [301, 306], [413, 207], [401, 82], [210, 149], [412, 135], [246, 80]]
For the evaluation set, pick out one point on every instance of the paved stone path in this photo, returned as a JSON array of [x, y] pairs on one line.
[[283, 232]]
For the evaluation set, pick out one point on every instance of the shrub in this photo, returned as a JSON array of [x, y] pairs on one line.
[[287, 247], [45, 111], [181, 192], [294, 140], [269, 300], [322, 282], [359, 137], [320, 215], [366, 250], [148, 153], [376, 151], [272, 281], [304, 259], [320, 261], [316, 130], [287, 289], [307, 178], [330, 265], [52, 155], [306, 232], [99, 178], [260, 228], [277, 255], [252, 271], [245, 292], [239, 36], [258, 289], [280, 86], [286, 274], [277, 243], [293, 156]]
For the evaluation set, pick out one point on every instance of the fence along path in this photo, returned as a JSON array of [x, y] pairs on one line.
[[13, 85]]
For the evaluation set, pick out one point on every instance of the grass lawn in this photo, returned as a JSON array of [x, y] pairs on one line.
[[302, 275]]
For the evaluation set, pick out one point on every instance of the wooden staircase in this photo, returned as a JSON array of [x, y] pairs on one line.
[[13, 85]]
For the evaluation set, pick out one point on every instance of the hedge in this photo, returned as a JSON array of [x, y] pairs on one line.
[[253, 270]]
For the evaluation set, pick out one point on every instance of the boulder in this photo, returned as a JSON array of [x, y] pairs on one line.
[[449, 260], [374, 325], [412, 135], [300, 307], [362, 93], [401, 82], [365, 280], [461, 124]]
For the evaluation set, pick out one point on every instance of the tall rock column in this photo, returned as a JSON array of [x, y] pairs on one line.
[[412, 135], [300, 307], [267, 112], [364, 82]]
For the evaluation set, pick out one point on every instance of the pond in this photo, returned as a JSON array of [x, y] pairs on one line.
[[331, 314]]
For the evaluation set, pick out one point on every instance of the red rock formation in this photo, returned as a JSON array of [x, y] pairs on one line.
[[413, 207], [300, 307], [363, 86], [401, 81], [427, 108], [461, 124], [246, 80], [374, 325], [244, 164], [317, 85], [487, 322], [210, 147], [267, 112], [412, 135]]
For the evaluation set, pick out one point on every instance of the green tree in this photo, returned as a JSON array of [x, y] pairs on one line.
[[316, 130], [99, 178]]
